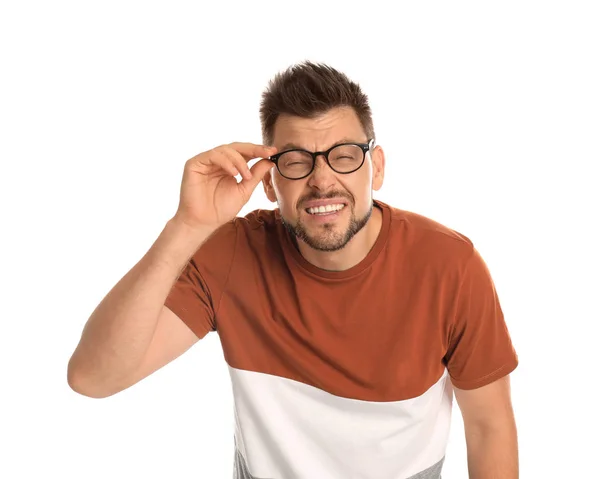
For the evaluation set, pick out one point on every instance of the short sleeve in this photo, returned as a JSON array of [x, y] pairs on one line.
[[480, 347], [196, 293]]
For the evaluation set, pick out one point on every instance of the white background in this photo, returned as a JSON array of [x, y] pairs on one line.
[[489, 114]]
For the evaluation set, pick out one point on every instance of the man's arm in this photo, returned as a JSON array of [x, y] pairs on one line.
[[112, 353], [490, 430]]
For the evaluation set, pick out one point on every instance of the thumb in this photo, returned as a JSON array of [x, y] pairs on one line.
[[258, 170]]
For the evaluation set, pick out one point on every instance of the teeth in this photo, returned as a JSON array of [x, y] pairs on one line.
[[324, 209]]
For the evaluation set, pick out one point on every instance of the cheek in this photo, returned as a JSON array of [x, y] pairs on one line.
[[362, 190], [287, 195]]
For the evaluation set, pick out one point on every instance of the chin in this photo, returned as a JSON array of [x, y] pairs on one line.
[[327, 236]]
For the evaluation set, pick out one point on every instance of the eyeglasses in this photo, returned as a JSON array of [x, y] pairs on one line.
[[343, 158]]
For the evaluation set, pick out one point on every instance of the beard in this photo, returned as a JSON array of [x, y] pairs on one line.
[[327, 238]]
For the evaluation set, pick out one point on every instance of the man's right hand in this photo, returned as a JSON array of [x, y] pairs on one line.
[[210, 194]]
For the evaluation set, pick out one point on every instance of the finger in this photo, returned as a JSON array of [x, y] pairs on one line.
[[259, 170], [214, 158], [238, 161], [251, 150], [231, 160]]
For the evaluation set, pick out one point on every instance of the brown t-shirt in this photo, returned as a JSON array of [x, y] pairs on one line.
[[342, 373]]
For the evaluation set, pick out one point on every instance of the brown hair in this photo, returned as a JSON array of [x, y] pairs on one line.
[[308, 89]]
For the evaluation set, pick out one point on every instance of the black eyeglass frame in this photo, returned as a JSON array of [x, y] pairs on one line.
[[364, 146]]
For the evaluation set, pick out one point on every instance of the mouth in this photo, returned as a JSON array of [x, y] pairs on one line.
[[325, 210]]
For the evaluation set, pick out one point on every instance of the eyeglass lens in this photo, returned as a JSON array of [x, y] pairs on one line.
[[343, 159]]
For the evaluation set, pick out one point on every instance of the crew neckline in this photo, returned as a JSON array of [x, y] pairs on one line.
[[291, 252]]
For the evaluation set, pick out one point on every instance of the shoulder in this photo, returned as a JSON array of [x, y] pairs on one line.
[[258, 219], [259, 231], [428, 238], [253, 223], [259, 226], [243, 236]]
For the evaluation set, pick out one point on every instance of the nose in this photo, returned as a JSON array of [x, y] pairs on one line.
[[322, 177]]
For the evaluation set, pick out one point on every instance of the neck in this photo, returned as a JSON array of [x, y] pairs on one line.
[[350, 255]]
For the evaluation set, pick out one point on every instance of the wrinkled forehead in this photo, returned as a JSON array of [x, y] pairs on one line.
[[320, 132]]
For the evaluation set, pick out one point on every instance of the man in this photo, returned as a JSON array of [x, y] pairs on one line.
[[346, 323]]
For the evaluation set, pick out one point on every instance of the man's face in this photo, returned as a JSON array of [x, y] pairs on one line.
[[330, 230]]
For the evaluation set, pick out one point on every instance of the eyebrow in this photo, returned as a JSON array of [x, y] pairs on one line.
[[294, 146]]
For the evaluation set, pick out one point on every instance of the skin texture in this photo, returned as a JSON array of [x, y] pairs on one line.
[[344, 241], [490, 430]]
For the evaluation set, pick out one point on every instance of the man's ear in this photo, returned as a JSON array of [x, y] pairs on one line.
[[268, 186], [378, 159]]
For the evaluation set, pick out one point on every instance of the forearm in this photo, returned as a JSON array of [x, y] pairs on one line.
[[118, 333], [492, 452]]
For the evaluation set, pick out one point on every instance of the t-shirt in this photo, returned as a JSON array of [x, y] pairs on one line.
[[345, 374]]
